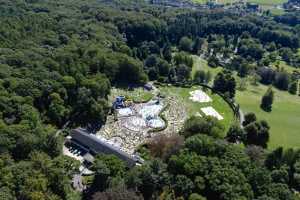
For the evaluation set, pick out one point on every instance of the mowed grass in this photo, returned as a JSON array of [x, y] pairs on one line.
[[284, 118], [260, 2], [136, 94], [286, 67], [201, 64], [183, 94], [268, 2]]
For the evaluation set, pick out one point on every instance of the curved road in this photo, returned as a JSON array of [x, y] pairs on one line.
[[242, 116]]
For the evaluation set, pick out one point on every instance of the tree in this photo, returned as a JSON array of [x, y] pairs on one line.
[[249, 118], [280, 175], [203, 125], [183, 186], [151, 61], [243, 70], [167, 53], [279, 191], [274, 159], [183, 72], [105, 168], [260, 179], [257, 133], [267, 100], [202, 77], [225, 83], [267, 75], [296, 175], [228, 183], [6, 193], [202, 145], [117, 193], [286, 54], [163, 67], [282, 81], [185, 44], [235, 133], [130, 71], [251, 48], [183, 58], [197, 44], [293, 87], [242, 84], [57, 111], [213, 61], [148, 178]]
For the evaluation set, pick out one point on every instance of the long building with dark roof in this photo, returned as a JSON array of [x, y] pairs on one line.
[[94, 145]]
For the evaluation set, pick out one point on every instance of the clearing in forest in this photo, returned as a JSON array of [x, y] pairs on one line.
[[284, 119]]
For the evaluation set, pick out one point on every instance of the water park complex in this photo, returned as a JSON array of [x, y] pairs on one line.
[[139, 114]]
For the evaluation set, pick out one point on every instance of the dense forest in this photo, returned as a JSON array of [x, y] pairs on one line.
[[59, 59]]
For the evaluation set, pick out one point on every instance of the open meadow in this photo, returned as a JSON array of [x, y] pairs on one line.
[[285, 116], [260, 2]]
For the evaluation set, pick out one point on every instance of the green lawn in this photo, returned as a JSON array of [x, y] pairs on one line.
[[260, 2], [286, 67], [284, 118], [137, 94], [268, 2], [201, 64], [276, 11], [182, 94]]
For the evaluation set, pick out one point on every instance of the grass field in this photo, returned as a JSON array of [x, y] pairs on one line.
[[260, 2], [201, 64], [284, 118], [136, 95], [287, 67], [182, 94], [268, 2]]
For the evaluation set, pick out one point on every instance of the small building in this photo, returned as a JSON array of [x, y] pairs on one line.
[[94, 146], [119, 102], [148, 86]]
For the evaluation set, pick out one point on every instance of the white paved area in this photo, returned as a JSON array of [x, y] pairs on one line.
[[150, 110], [210, 111], [124, 112], [198, 114], [199, 96], [156, 123]]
